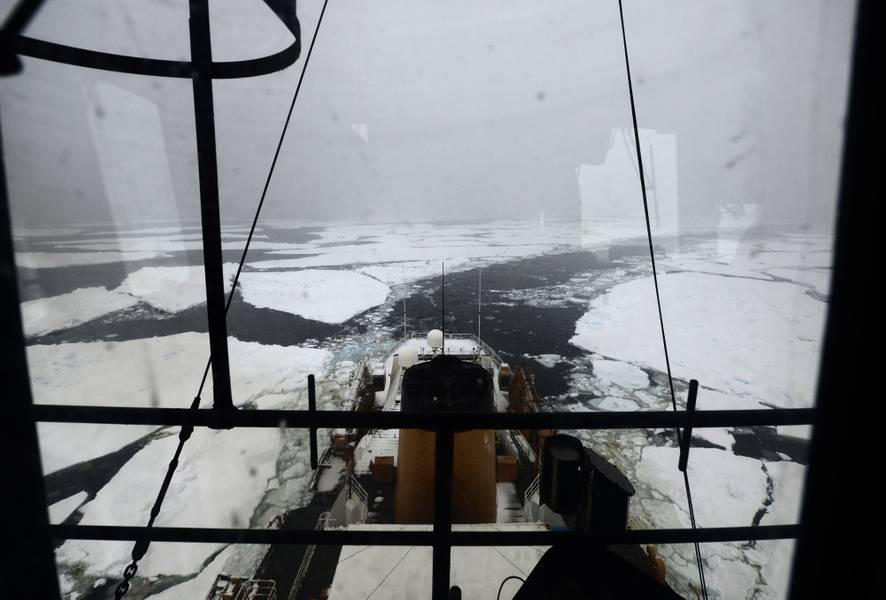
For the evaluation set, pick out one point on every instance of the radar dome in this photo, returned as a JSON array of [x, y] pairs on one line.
[[408, 356], [435, 339]]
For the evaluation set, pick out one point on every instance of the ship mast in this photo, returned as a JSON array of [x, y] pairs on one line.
[[479, 297]]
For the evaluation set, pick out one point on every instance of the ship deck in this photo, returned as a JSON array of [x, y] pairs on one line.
[[401, 572]]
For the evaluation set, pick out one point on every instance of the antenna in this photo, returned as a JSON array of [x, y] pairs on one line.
[[404, 300], [443, 306], [479, 297]]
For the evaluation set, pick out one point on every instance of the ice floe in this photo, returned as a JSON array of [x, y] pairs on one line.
[[160, 371], [220, 480], [44, 315], [331, 296], [620, 373], [199, 586], [47, 260], [788, 480], [172, 289], [548, 360], [741, 336], [62, 509], [726, 489]]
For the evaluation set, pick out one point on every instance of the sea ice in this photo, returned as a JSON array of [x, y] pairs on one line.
[[62, 509], [44, 315], [331, 296], [199, 586], [47, 260], [172, 289], [156, 371], [219, 482], [739, 336], [726, 489], [622, 374]]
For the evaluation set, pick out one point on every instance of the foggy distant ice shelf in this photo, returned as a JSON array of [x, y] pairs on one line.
[[159, 371], [329, 296], [45, 315], [743, 337]]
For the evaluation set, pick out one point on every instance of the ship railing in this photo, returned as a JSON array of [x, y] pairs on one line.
[[354, 384], [356, 488], [530, 503], [461, 336], [257, 589], [322, 465], [322, 523]]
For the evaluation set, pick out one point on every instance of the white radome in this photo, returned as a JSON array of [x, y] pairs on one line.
[[435, 339], [408, 356]]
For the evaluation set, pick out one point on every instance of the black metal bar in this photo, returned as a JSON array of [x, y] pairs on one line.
[[20, 15], [836, 481], [443, 447], [13, 44], [312, 407], [201, 55], [17, 19], [396, 537], [443, 307], [686, 437], [28, 525], [152, 67], [120, 415]]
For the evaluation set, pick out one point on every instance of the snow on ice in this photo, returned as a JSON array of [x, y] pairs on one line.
[[172, 289], [741, 336], [44, 315], [220, 481], [158, 371], [331, 296]]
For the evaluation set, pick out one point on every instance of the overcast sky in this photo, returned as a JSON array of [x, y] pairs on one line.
[[421, 109]]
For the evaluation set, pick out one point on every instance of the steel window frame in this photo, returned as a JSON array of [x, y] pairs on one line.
[[822, 495]]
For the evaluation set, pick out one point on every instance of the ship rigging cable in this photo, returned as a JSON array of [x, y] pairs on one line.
[[664, 339], [141, 547]]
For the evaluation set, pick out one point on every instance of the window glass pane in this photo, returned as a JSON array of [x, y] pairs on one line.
[[493, 141]]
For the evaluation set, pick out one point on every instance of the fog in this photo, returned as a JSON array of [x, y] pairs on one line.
[[418, 110]]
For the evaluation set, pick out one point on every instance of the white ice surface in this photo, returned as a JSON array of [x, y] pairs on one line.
[[62, 509], [46, 260], [788, 481], [819, 279], [199, 586], [44, 315], [798, 431], [717, 435], [620, 373], [742, 336], [331, 296], [726, 489], [394, 253], [172, 289], [159, 371], [220, 480], [616, 404], [548, 360]]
